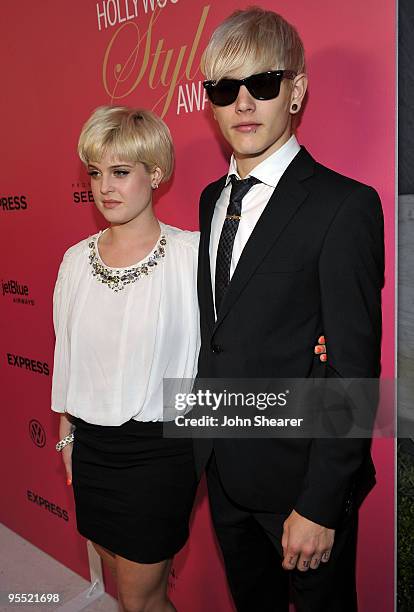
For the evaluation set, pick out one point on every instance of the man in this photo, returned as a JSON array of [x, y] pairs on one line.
[[289, 250]]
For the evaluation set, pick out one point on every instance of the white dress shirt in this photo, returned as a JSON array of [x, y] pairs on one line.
[[113, 349], [269, 173]]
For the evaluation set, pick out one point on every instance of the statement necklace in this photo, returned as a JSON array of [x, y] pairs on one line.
[[117, 278]]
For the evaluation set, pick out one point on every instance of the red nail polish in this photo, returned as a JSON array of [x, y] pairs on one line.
[[69, 481]]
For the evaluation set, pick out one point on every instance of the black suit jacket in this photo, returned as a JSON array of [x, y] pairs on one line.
[[314, 264]]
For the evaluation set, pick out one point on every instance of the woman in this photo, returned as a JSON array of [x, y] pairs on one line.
[[126, 317]]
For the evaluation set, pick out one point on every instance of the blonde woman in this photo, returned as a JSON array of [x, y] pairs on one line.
[[126, 316]]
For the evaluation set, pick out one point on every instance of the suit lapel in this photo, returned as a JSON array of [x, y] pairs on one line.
[[284, 202]]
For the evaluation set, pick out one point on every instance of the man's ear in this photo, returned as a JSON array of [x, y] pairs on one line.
[[300, 84]]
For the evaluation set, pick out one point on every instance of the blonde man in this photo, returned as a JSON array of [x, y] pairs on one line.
[[288, 249]]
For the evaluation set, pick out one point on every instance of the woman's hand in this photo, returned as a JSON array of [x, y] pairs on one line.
[[67, 462], [320, 349], [66, 428]]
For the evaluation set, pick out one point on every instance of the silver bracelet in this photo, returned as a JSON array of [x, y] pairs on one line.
[[64, 442]]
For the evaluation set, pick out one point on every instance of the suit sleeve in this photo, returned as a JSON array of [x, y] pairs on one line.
[[351, 272]]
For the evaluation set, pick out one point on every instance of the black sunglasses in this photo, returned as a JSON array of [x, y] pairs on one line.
[[263, 86]]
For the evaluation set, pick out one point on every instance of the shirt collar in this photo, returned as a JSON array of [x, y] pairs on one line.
[[271, 169]]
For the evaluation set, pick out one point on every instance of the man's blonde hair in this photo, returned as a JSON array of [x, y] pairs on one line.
[[251, 41], [127, 134]]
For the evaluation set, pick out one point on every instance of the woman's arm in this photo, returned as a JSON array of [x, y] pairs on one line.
[[66, 427]]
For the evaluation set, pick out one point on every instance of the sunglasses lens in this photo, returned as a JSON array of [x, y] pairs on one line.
[[265, 86], [224, 92]]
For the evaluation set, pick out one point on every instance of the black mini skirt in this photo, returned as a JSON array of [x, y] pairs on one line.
[[134, 490]]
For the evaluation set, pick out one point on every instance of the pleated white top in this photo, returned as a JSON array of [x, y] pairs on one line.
[[120, 332]]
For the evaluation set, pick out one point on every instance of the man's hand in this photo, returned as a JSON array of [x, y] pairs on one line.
[[305, 543]]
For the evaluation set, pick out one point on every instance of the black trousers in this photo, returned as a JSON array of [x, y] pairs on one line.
[[251, 545]]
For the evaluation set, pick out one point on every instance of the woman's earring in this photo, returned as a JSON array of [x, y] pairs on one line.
[[294, 108], [155, 185]]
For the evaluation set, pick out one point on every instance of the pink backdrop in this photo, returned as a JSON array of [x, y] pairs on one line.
[[60, 61]]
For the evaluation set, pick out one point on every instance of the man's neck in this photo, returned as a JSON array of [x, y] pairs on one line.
[[246, 163]]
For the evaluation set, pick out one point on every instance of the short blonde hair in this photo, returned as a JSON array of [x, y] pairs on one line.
[[251, 41], [128, 134]]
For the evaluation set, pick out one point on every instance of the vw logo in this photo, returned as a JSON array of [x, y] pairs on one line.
[[37, 433]]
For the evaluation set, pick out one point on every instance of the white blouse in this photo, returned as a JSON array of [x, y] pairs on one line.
[[121, 331]]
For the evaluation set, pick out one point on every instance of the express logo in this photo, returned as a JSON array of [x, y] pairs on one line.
[[44, 503], [18, 361], [37, 433], [16, 202]]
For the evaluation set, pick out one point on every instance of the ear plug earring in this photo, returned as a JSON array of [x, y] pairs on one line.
[[294, 108]]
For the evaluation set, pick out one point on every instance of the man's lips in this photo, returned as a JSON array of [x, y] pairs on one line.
[[246, 127]]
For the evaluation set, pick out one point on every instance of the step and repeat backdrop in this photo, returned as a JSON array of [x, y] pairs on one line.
[[60, 61]]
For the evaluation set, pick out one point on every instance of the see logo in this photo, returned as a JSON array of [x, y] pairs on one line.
[[37, 433]]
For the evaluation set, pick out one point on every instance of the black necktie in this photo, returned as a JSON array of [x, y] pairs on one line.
[[228, 233]]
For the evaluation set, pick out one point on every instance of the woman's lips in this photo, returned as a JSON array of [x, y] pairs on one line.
[[110, 203]]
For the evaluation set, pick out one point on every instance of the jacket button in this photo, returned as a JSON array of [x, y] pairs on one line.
[[348, 505], [216, 348]]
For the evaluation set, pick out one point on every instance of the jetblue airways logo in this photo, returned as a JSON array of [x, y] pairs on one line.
[[18, 291]]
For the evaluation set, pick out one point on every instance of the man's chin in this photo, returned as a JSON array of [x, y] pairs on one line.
[[249, 152], [252, 151]]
